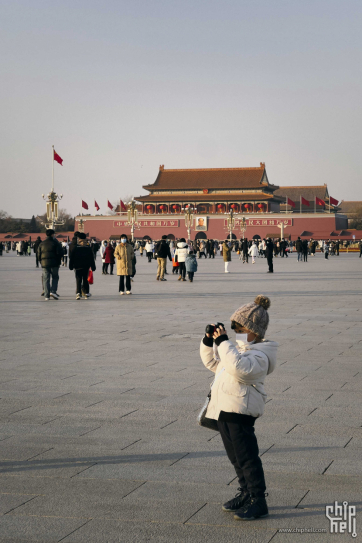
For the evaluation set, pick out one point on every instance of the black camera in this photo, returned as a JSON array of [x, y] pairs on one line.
[[210, 328]]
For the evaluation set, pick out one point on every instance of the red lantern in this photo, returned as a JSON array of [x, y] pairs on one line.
[[220, 206], [247, 206], [233, 206], [260, 206], [162, 207], [149, 206], [174, 207]]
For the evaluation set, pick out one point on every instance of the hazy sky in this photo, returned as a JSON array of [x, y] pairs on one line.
[[120, 87]]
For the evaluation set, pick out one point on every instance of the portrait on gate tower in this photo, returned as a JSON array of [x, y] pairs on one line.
[[201, 224]]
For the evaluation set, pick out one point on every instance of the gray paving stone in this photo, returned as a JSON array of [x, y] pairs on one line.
[[103, 424]]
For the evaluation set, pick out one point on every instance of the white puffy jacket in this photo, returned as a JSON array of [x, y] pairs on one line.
[[240, 373], [182, 251], [253, 250]]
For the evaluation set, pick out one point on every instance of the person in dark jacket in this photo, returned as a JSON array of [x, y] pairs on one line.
[[269, 254], [35, 249], [299, 248], [245, 249], [50, 253], [73, 243], [163, 253], [81, 260], [305, 250]]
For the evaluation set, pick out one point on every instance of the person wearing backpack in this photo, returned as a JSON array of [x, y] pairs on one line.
[[191, 265]]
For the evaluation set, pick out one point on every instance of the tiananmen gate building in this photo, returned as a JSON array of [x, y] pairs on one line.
[[211, 193]]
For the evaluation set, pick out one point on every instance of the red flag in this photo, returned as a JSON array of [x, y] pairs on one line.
[[84, 204], [96, 205], [110, 205], [290, 202], [304, 201], [58, 159], [319, 202], [123, 207], [333, 201]]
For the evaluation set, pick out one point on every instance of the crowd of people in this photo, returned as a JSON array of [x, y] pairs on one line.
[[81, 254]]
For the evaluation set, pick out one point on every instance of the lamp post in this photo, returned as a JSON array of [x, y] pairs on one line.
[[188, 219], [52, 200], [230, 223], [243, 226], [132, 217]]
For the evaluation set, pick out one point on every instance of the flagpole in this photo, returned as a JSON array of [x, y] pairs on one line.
[[286, 204], [300, 200], [315, 205], [52, 168]]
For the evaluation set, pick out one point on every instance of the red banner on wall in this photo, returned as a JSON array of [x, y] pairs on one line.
[[263, 222], [151, 223]]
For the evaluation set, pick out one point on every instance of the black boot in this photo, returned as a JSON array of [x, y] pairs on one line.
[[255, 507], [237, 503]]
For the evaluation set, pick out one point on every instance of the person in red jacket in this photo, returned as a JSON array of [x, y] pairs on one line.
[[109, 258]]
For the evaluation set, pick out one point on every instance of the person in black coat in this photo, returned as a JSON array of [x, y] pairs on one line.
[[35, 249], [163, 252], [305, 250], [245, 249], [81, 260], [50, 253], [269, 254]]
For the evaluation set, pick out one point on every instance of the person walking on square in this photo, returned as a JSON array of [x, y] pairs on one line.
[[182, 250], [35, 249], [149, 247], [191, 265], [226, 253], [49, 255], [238, 399], [108, 259], [299, 248], [269, 246], [65, 248], [245, 250], [253, 251], [102, 251], [305, 250], [360, 248], [82, 260], [163, 253], [124, 255]]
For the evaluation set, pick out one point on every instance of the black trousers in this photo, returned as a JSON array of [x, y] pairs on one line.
[[81, 278], [182, 269], [36, 260], [305, 257], [191, 275], [121, 282], [149, 256], [111, 268], [270, 263], [104, 268], [246, 257], [243, 452]]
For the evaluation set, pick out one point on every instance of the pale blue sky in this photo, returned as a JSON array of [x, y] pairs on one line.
[[121, 87]]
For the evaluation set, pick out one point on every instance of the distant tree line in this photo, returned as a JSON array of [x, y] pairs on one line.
[[34, 226]]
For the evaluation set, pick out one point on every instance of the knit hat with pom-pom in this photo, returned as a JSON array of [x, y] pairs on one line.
[[254, 316]]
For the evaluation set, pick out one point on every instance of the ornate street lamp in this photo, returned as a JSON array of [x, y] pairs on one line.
[[188, 219], [230, 223], [132, 215], [243, 226], [52, 200]]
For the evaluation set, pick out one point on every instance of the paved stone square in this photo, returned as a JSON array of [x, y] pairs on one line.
[[99, 397]]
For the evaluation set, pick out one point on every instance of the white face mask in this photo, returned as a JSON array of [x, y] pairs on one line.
[[242, 339], [123, 240]]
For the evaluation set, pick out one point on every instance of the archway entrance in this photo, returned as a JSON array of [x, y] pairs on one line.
[[201, 235], [256, 236], [171, 236], [232, 236]]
